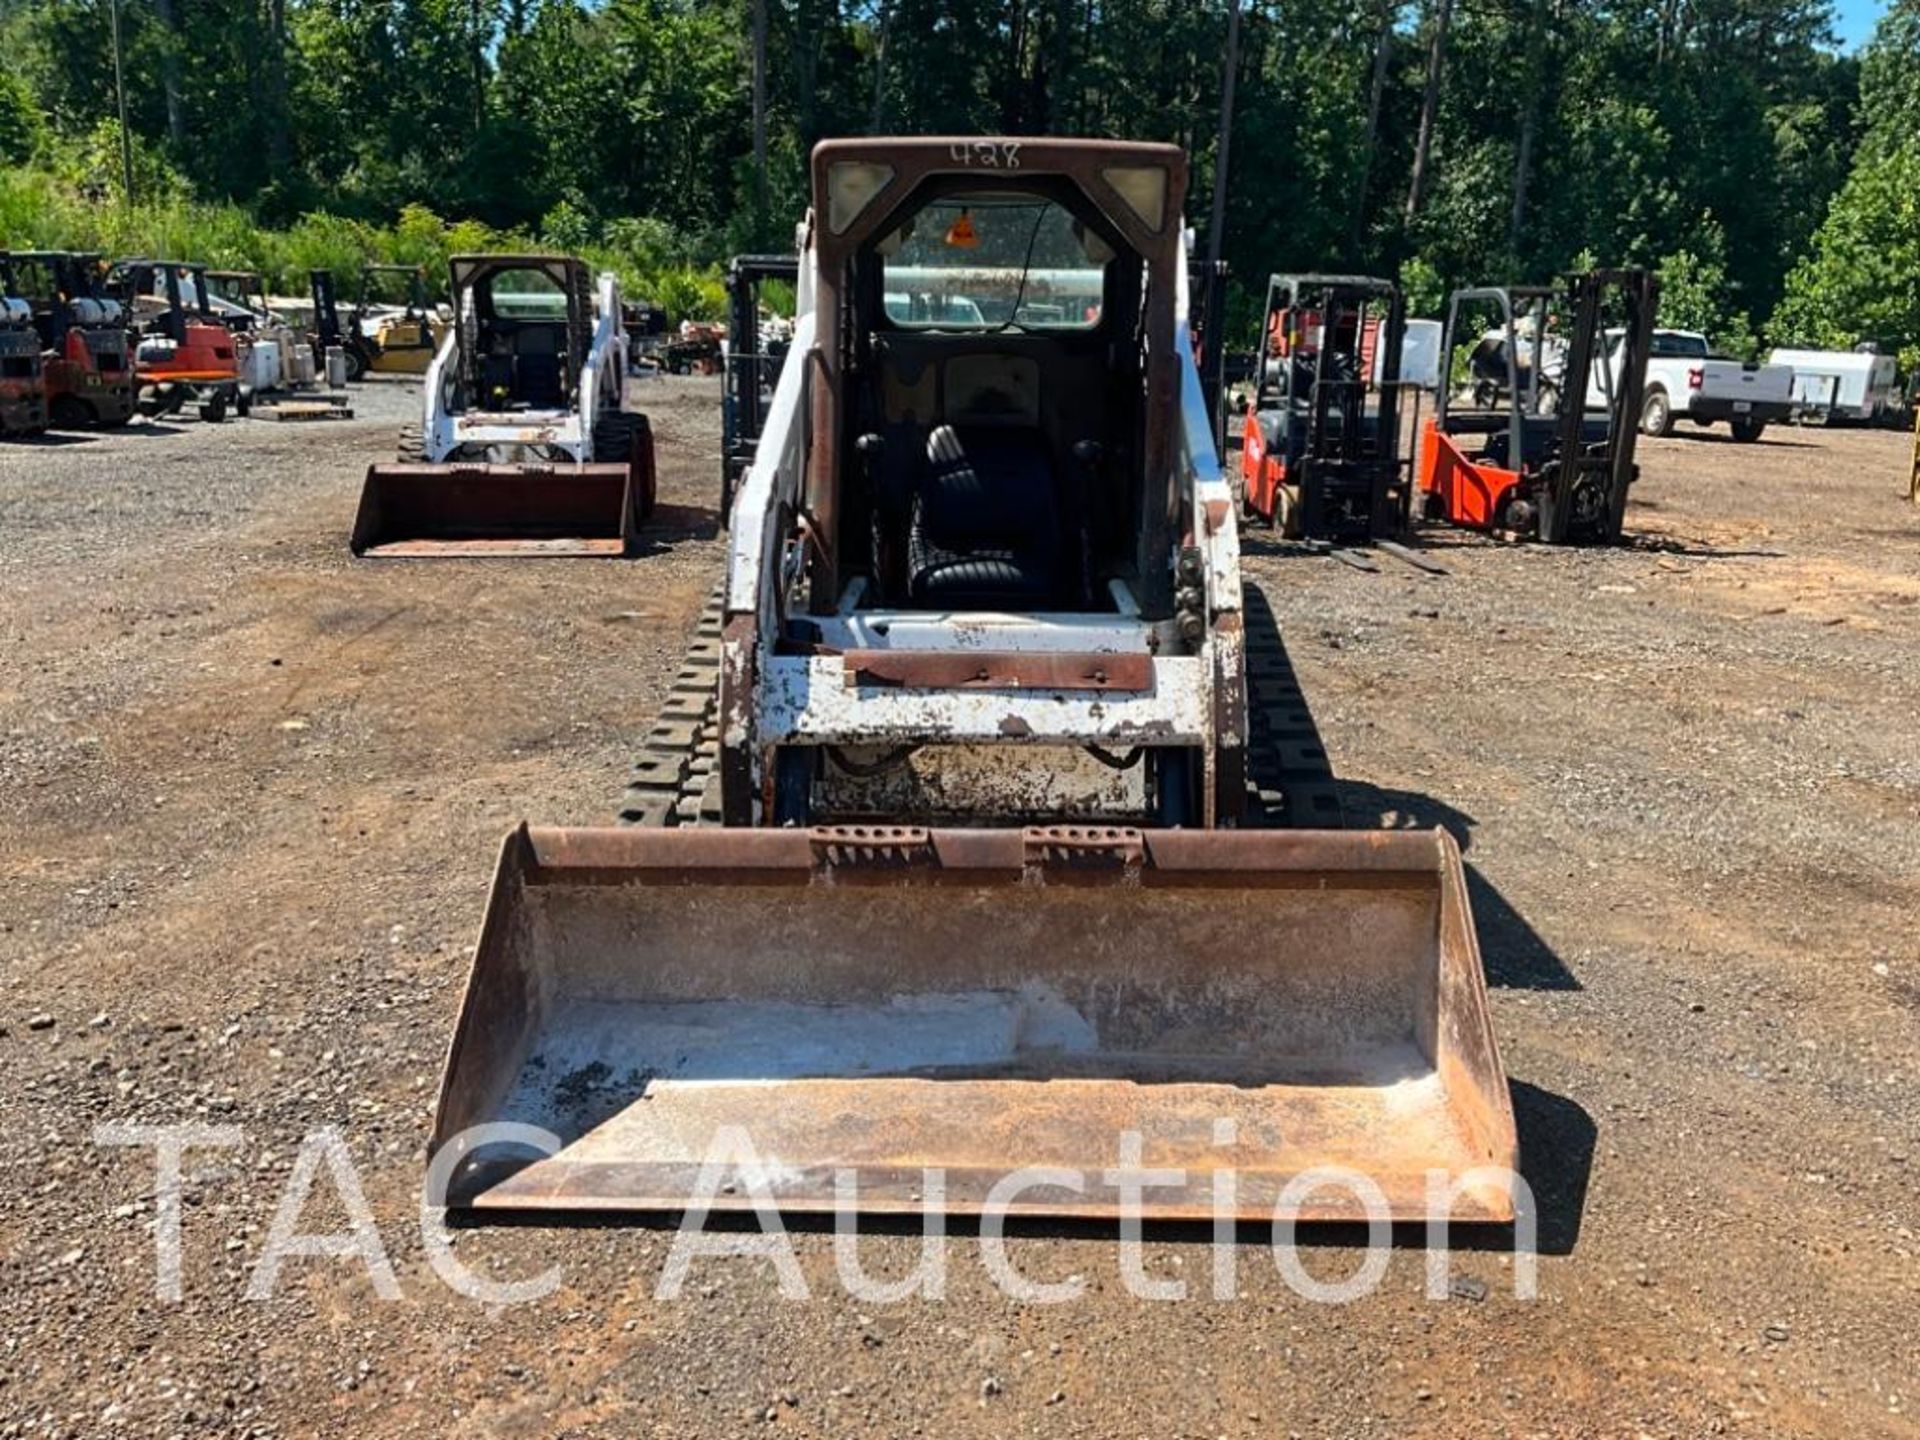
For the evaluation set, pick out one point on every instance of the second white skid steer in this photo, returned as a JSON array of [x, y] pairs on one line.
[[524, 446]]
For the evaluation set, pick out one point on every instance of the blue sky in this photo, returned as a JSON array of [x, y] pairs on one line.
[[1854, 20]]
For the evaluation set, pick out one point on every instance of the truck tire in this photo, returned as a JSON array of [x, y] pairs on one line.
[[1656, 413], [356, 366], [214, 409], [1748, 431], [411, 449]]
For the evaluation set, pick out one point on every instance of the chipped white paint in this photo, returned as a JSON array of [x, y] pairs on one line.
[[808, 699], [1044, 634]]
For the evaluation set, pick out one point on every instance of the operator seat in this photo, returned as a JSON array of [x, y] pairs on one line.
[[985, 529], [537, 370]]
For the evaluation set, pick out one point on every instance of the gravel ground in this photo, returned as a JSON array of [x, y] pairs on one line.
[[249, 798]]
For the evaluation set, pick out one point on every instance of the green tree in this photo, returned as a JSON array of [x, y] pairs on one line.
[[1861, 279], [23, 128], [1696, 293]]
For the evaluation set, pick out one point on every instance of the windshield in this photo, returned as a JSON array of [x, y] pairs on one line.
[[987, 262], [234, 289], [396, 288]]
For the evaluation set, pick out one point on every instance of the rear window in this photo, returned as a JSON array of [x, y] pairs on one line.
[[1679, 347], [990, 262], [527, 294]]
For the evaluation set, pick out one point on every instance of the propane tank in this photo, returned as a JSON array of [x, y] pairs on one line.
[[336, 367]]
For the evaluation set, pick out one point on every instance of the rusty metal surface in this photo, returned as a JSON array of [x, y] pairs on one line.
[[811, 700], [487, 511], [1226, 800], [999, 669], [898, 998], [981, 784]]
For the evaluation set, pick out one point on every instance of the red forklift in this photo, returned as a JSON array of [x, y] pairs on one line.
[[83, 334], [1320, 453], [23, 382], [1536, 440], [184, 355]]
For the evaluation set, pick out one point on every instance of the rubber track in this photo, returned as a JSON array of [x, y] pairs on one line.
[[1287, 767], [675, 779]]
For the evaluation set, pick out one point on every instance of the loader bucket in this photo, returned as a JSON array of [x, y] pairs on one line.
[[484, 511], [888, 1002]]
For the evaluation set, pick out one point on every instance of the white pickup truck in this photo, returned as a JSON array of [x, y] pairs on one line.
[[1685, 382]]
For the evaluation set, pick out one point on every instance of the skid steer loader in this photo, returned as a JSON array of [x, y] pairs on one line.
[[524, 447], [985, 528]]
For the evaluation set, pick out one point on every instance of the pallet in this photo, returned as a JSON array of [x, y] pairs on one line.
[[303, 410]]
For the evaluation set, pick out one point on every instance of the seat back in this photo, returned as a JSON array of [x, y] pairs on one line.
[[986, 528], [989, 487], [537, 366], [496, 381]]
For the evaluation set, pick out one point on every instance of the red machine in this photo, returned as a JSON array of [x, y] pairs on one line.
[[1540, 444], [185, 355], [1320, 453], [83, 333], [23, 383]]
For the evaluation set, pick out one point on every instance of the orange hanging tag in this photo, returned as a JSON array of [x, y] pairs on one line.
[[960, 234]]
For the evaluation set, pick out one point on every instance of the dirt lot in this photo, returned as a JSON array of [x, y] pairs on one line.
[[250, 794]]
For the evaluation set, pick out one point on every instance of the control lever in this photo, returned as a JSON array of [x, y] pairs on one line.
[[869, 447], [1087, 455]]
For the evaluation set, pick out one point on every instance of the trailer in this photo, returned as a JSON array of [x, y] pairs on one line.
[[1841, 386]]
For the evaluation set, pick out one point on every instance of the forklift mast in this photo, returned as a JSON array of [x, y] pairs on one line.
[[1322, 340], [1623, 378], [1571, 462], [138, 277], [750, 370], [1207, 327], [326, 308]]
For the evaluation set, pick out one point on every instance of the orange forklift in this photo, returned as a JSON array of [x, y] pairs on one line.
[[1536, 440], [83, 334], [184, 354], [1320, 454], [23, 382]]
